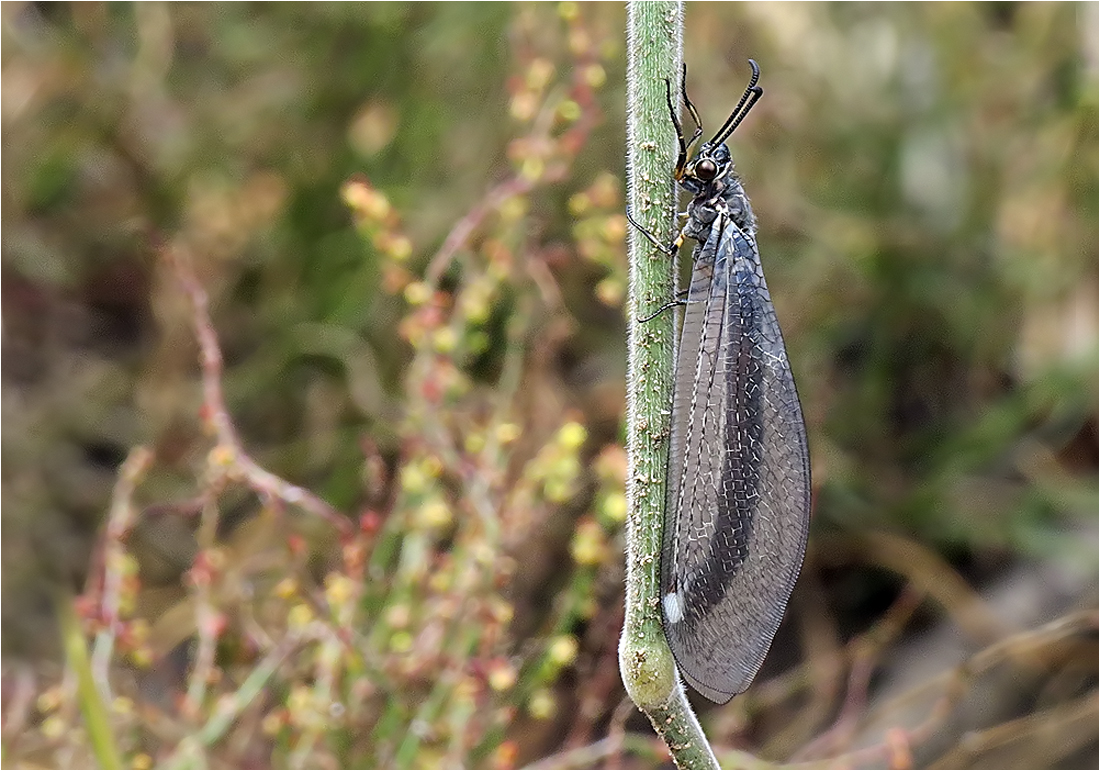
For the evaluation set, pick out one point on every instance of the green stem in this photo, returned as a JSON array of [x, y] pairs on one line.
[[191, 751], [655, 44], [97, 713]]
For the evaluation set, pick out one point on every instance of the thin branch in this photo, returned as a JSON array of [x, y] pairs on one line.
[[466, 226], [865, 653], [206, 616], [119, 521], [230, 455], [953, 684], [518, 185], [591, 755], [191, 750], [925, 570]]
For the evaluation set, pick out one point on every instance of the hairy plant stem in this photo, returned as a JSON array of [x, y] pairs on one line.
[[654, 53]]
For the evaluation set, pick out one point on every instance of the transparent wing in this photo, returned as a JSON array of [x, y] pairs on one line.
[[739, 478]]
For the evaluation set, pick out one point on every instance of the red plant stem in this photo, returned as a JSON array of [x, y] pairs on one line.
[[239, 464]]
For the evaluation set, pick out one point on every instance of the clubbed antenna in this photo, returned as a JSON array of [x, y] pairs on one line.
[[752, 94]]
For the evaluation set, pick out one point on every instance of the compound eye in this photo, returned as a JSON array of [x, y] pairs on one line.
[[706, 170]]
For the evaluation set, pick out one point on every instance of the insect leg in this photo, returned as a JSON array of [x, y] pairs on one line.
[[670, 304], [691, 108], [669, 250], [685, 145]]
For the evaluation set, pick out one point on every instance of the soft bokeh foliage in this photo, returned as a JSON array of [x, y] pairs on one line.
[[409, 220]]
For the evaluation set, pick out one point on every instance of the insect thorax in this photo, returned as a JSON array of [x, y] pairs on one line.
[[738, 207], [729, 200]]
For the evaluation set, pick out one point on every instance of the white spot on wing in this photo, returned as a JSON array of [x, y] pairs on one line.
[[674, 608]]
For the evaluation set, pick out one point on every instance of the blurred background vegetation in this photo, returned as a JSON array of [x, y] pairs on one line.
[[409, 221]]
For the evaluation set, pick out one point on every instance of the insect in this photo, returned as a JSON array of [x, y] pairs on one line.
[[737, 514]]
